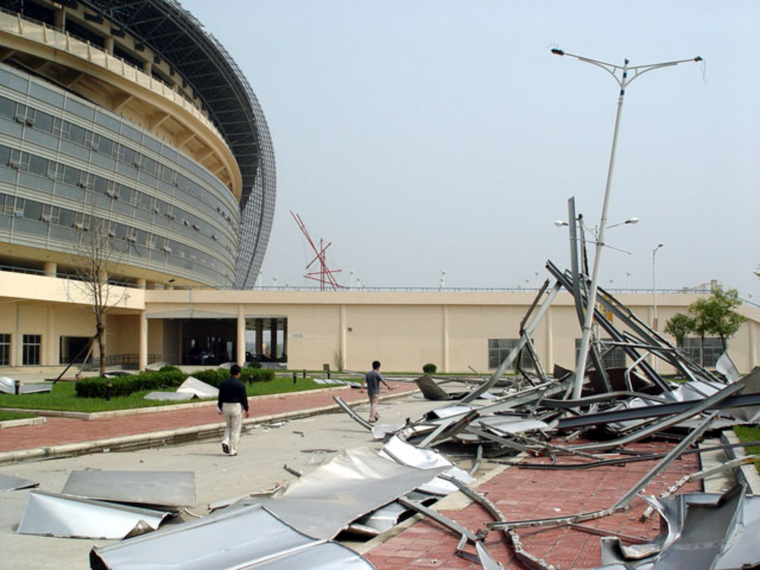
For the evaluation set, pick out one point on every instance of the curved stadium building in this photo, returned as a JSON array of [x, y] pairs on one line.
[[127, 116]]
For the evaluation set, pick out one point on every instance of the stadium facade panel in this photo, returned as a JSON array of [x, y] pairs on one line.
[[100, 128]]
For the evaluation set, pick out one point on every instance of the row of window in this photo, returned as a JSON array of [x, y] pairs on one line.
[[29, 209], [71, 132], [612, 356], [30, 349], [66, 174]]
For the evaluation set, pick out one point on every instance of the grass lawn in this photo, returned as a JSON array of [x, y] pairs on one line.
[[6, 416], [64, 398], [748, 433]]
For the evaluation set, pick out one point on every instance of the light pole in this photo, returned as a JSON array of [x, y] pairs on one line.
[[441, 282], [654, 285], [622, 80], [351, 279]]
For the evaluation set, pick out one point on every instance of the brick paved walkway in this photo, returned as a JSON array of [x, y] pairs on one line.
[[522, 494], [58, 431]]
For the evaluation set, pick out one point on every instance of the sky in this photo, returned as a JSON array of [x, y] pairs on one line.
[[426, 136]]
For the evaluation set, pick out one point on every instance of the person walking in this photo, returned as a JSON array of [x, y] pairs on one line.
[[372, 379], [232, 401]]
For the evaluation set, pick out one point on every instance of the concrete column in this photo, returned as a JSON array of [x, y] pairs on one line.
[[141, 283], [241, 336], [60, 19], [50, 268], [49, 341], [259, 337], [752, 345], [108, 44], [343, 337], [273, 338], [445, 339], [142, 358], [148, 67]]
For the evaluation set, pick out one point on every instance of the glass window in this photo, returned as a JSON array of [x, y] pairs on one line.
[[103, 145], [38, 165], [5, 350], [124, 193], [128, 156], [66, 218], [5, 155], [71, 175], [33, 210], [499, 349], [31, 349], [76, 134], [706, 355], [7, 108], [44, 122]]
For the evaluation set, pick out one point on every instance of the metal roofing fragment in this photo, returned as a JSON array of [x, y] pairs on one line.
[[705, 531], [164, 488], [325, 501], [50, 514], [169, 396], [8, 386], [11, 483], [239, 539], [198, 388]]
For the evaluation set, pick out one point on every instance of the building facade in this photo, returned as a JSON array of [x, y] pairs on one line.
[[128, 119]]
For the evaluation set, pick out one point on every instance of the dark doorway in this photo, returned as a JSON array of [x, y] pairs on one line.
[[208, 342]]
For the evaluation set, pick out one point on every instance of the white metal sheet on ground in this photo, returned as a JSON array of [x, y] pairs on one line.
[[164, 488], [8, 385], [240, 539], [11, 483], [49, 514], [197, 388], [408, 454], [356, 482], [170, 396], [507, 424]]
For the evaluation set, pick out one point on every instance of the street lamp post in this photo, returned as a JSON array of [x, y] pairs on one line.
[[654, 285], [622, 80]]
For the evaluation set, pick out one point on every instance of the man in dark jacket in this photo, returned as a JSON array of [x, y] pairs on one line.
[[372, 379], [232, 401]]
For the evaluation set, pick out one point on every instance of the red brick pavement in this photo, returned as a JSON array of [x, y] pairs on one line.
[[522, 494], [57, 431]]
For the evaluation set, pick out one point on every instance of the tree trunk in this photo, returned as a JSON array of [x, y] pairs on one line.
[[101, 349]]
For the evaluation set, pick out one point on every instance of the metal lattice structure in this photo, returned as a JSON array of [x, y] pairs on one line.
[[178, 37]]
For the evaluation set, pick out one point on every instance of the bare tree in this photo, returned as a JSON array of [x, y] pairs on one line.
[[97, 257]]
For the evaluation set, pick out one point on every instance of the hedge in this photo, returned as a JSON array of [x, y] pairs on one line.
[[167, 377]]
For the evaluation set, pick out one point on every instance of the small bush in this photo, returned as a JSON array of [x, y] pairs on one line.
[[126, 385], [429, 368]]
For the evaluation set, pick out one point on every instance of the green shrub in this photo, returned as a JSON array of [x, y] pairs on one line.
[[429, 368], [125, 385]]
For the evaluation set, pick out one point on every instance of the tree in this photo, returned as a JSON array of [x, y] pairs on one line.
[[678, 326], [715, 315], [96, 258]]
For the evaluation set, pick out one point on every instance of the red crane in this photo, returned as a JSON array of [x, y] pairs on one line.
[[325, 275]]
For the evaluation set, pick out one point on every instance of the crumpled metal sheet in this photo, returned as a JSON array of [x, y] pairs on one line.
[[703, 531], [169, 396], [162, 488], [510, 425], [239, 539], [11, 483], [50, 514], [354, 483], [8, 386], [407, 454], [197, 388]]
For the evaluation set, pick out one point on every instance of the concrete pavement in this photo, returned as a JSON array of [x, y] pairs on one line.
[[150, 441]]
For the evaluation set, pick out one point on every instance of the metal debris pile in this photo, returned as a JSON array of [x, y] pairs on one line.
[[512, 419]]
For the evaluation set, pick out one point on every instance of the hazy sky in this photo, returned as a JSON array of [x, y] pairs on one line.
[[427, 135]]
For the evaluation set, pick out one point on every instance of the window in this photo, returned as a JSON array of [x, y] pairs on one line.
[[499, 349], [5, 350], [713, 348], [33, 210], [31, 349], [38, 165], [76, 134], [612, 356], [7, 108]]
